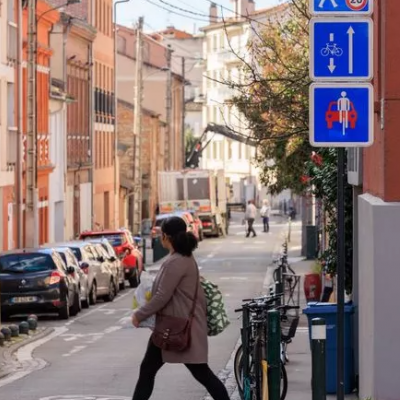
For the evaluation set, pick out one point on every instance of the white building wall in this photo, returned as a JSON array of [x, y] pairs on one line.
[[58, 154], [85, 204]]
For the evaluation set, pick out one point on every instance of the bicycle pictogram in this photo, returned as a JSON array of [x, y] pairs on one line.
[[332, 49]]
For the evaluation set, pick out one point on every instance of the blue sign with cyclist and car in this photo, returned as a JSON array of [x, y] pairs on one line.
[[341, 49], [341, 7], [341, 115]]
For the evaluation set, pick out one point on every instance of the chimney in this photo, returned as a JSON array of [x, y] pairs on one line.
[[213, 13], [243, 8], [251, 7]]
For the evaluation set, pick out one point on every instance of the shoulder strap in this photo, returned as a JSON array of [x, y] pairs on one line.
[[191, 315]]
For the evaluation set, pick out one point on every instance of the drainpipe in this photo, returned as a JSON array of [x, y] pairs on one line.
[[92, 116], [19, 169], [116, 180]]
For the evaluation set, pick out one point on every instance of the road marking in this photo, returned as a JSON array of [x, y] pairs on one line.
[[251, 247], [84, 397], [75, 350], [238, 241], [98, 308], [112, 329]]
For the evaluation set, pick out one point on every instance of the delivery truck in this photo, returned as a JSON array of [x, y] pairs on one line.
[[199, 190]]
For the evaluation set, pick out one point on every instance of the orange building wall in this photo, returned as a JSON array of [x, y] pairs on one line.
[[45, 23]]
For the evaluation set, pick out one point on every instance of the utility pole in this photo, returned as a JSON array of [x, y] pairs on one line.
[[137, 128], [31, 227], [183, 114], [168, 118]]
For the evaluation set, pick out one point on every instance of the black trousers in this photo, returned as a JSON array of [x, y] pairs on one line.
[[152, 363], [250, 228]]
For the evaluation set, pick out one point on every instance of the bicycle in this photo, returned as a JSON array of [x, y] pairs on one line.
[[289, 324], [250, 363], [331, 49]]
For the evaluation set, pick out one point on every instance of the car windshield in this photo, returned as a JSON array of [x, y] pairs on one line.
[[115, 239], [77, 253], [22, 263], [63, 256]]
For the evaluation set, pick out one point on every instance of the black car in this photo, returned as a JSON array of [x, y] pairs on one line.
[[37, 280]]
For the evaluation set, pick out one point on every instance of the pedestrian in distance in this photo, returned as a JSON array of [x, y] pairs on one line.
[[250, 216], [265, 213], [177, 294]]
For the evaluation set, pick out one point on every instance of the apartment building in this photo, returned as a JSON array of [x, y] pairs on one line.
[[8, 122], [99, 14], [72, 128], [155, 88], [225, 44]]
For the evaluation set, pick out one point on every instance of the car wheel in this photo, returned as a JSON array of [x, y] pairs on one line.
[[122, 285], [111, 292], [76, 307], [63, 313], [134, 280], [93, 295], [86, 303]]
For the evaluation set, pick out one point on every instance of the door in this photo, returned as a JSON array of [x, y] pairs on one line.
[[107, 210], [10, 226]]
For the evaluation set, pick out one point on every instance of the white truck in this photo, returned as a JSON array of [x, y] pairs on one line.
[[202, 191]]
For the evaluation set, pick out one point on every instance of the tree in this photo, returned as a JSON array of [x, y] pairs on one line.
[[274, 99], [190, 141]]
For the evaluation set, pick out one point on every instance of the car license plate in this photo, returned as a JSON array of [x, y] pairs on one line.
[[27, 299]]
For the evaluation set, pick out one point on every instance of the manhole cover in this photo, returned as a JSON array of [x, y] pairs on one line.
[[84, 397]]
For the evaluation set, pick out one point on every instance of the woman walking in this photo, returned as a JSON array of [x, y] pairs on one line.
[[177, 292], [265, 213]]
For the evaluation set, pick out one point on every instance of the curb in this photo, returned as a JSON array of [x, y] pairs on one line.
[[6, 354]]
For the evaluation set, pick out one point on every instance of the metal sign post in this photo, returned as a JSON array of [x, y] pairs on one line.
[[341, 110]]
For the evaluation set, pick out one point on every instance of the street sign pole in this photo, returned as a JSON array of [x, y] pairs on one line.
[[341, 272], [341, 110]]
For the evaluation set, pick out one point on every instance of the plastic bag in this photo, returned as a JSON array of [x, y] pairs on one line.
[[142, 296]]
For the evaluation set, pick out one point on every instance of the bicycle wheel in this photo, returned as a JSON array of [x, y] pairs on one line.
[[238, 370]]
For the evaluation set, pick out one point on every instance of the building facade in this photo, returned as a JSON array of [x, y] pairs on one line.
[[155, 88], [102, 149], [8, 122], [152, 156]]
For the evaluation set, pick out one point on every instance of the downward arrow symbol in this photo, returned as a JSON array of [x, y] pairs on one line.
[[332, 65]]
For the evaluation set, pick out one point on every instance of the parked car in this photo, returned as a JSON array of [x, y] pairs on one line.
[[98, 276], [119, 238], [37, 280], [80, 277], [113, 259], [108, 273], [191, 225], [198, 224], [156, 230]]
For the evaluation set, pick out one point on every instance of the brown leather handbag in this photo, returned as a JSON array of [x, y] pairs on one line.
[[174, 333]]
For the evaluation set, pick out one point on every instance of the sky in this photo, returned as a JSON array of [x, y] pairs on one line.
[[157, 17]]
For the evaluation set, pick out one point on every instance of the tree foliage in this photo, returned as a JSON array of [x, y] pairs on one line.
[[274, 99]]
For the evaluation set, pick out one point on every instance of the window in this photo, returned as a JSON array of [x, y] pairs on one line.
[[23, 263]]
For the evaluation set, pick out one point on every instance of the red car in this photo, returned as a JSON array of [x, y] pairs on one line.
[[333, 115], [120, 239]]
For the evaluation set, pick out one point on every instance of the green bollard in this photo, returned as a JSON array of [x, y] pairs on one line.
[[318, 356], [144, 250], [274, 354]]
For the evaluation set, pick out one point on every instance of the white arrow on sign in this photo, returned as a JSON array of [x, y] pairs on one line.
[[351, 33], [332, 65], [322, 3]]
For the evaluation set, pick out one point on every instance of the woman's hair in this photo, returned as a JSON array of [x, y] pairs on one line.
[[183, 242]]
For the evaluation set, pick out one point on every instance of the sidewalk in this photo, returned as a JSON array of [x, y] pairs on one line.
[[299, 367]]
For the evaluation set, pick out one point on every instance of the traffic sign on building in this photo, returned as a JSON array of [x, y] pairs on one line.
[[341, 49], [341, 7], [341, 115]]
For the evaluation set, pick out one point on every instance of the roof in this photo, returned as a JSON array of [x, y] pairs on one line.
[[27, 251], [231, 21], [172, 32], [145, 110]]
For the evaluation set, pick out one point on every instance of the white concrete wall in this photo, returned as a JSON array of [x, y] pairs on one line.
[[69, 213], [85, 205], [378, 280], [58, 154]]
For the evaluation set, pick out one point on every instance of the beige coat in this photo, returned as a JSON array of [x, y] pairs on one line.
[[173, 293]]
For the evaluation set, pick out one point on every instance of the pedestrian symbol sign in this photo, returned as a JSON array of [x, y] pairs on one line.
[[341, 49], [341, 7], [341, 115]]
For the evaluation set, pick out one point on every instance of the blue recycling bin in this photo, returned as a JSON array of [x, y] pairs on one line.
[[328, 311]]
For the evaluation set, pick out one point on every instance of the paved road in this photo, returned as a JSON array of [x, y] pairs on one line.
[[98, 353]]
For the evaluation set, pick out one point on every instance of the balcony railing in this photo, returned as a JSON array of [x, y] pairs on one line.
[[12, 42], [12, 148]]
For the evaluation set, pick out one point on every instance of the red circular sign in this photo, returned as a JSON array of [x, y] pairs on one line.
[[356, 5]]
